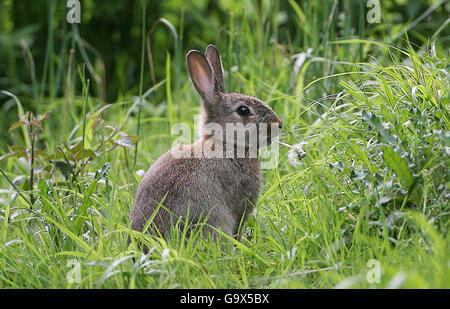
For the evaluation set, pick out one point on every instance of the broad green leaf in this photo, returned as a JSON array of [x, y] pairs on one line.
[[86, 202], [398, 165]]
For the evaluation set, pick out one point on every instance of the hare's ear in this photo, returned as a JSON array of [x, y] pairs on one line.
[[201, 75], [213, 56]]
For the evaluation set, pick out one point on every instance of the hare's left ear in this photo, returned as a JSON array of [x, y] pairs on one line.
[[201, 75], [213, 56]]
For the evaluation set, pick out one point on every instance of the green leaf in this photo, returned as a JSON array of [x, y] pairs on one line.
[[337, 165], [87, 153], [74, 237], [85, 203], [371, 119], [103, 172], [64, 167], [16, 153], [126, 142], [75, 148], [43, 188], [398, 165]]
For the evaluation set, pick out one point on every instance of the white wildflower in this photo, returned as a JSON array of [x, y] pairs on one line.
[[140, 173], [296, 153]]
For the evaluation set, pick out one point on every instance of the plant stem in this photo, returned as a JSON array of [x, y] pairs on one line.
[[15, 188], [84, 125], [140, 82], [32, 138], [284, 144]]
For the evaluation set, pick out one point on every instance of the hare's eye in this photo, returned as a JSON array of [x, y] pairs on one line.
[[243, 110]]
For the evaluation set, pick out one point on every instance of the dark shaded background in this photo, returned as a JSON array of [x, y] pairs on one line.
[[113, 28]]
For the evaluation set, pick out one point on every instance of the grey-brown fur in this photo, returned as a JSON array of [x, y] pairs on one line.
[[222, 190]]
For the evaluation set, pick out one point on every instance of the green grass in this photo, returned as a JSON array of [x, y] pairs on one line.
[[374, 183]]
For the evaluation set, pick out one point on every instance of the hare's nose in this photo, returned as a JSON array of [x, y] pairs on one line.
[[280, 122], [277, 120]]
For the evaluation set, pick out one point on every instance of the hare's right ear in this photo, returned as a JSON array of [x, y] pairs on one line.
[[201, 75], [213, 56]]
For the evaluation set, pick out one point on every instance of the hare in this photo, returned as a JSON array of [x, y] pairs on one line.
[[218, 190]]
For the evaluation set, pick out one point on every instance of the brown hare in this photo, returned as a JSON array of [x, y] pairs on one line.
[[187, 183]]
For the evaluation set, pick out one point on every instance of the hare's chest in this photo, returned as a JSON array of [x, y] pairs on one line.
[[250, 181], [242, 183]]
